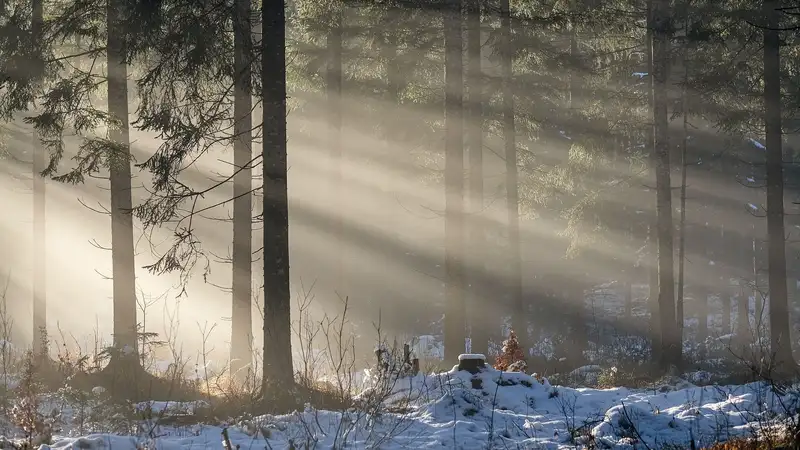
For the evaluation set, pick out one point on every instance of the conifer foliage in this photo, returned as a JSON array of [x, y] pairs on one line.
[[512, 358]]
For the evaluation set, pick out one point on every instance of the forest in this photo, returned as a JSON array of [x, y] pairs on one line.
[[215, 210]]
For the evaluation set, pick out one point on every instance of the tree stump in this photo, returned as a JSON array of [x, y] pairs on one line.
[[472, 363]]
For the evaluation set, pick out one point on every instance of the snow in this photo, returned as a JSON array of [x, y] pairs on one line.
[[169, 407], [492, 409], [466, 356]]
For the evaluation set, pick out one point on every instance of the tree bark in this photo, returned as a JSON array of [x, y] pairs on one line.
[[125, 324], [478, 310], [742, 318], [684, 169], [627, 288], [725, 285], [242, 290], [778, 301], [670, 349], [334, 98], [519, 317], [454, 321], [278, 373], [652, 237], [702, 316], [39, 208]]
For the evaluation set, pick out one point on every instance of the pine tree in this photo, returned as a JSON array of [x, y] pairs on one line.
[[241, 288], [778, 295], [518, 309], [333, 87], [454, 321], [122, 253], [474, 140], [278, 372], [669, 346], [39, 202]]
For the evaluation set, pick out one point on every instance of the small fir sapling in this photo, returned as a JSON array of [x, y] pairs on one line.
[[511, 358]]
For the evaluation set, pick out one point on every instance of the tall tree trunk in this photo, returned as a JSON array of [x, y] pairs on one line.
[[666, 271], [454, 321], [241, 316], [278, 372], [652, 237], [725, 286], [627, 288], [742, 318], [759, 299], [478, 310], [124, 269], [702, 316], [778, 302], [576, 297], [334, 117], [684, 169], [727, 308], [39, 214], [519, 317]]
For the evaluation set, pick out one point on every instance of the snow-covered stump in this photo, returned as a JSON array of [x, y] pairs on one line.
[[471, 362]]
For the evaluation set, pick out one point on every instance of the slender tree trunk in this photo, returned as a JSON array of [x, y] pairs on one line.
[[742, 318], [278, 372], [725, 287], [334, 93], [684, 169], [628, 294], [122, 252], [702, 316], [727, 309], [454, 321], [478, 310], [39, 214], [241, 316], [519, 317], [652, 237], [778, 303], [758, 295], [666, 270], [576, 297]]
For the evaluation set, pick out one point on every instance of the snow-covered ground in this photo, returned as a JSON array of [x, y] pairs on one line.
[[489, 410]]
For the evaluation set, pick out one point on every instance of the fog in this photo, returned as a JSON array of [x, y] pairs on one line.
[[392, 242]]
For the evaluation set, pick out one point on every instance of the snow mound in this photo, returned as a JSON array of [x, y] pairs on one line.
[[491, 409]]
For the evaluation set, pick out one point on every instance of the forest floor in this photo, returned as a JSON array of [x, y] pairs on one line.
[[452, 409], [433, 409]]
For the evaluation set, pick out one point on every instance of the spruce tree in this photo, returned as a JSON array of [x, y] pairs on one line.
[[454, 321]]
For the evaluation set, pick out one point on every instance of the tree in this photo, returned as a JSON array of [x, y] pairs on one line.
[[278, 373], [241, 320], [333, 86], [519, 317], [661, 22], [684, 168], [122, 253], [39, 201], [479, 336], [511, 357], [778, 293], [454, 320]]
